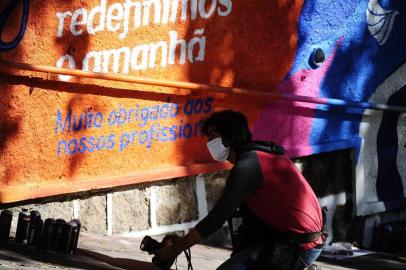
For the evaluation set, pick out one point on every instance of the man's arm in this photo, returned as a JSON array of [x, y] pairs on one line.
[[244, 179]]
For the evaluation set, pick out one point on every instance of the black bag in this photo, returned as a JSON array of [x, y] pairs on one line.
[[281, 251], [249, 231], [280, 255]]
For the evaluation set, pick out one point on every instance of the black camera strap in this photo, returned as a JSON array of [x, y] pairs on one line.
[[188, 255]]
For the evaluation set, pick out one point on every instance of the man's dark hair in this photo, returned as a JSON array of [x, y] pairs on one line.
[[232, 126]]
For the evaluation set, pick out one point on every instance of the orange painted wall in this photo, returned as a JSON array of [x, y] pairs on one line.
[[252, 45]]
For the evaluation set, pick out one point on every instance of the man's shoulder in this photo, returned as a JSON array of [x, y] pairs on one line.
[[255, 153], [247, 154], [247, 160]]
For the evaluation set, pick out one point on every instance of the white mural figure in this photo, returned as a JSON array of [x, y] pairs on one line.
[[380, 21], [331, 202], [369, 163]]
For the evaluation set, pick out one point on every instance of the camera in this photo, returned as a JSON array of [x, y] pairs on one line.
[[150, 245]]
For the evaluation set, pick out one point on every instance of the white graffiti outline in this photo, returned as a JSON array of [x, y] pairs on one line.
[[367, 166], [380, 21]]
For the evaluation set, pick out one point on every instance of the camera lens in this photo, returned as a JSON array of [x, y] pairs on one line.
[[144, 243], [148, 244]]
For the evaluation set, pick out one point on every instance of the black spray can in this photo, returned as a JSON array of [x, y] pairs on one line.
[[5, 224], [35, 229], [23, 226], [234, 223], [58, 230], [70, 237], [47, 239]]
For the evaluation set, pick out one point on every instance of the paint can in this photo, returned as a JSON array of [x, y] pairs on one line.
[[6, 217], [35, 229], [70, 237], [58, 230], [22, 227], [48, 234]]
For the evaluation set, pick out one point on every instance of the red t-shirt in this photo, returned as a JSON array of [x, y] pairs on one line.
[[285, 200], [275, 191]]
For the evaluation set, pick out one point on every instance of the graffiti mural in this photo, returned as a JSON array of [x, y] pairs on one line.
[[363, 41], [381, 178]]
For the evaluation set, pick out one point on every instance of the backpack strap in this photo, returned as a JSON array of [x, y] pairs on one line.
[[307, 237]]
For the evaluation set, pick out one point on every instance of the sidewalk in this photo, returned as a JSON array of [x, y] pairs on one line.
[[119, 253]]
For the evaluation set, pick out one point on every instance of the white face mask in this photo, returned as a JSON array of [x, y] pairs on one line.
[[217, 149]]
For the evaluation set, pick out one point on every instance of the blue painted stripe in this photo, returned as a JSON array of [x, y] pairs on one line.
[[344, 103]]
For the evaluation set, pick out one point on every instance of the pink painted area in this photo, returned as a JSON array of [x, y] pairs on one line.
[[289, 123]]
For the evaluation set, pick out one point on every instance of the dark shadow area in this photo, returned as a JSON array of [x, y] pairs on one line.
[[10, 258], [253, 48], [10, 120], [83, 259], [128, 264], [389, 184], [23, 255], [247, 43], [336, 167], [377, 261], [77, 49]]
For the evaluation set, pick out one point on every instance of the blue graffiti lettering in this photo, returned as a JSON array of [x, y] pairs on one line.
[[187, 131], [165, 134], [208, 103], [66, 124], [77, 124], [143, 137], [125, 140], [143, 117], [98, 120], [195, 106], [86, 144], [101, 143], [80, 122], [172, 132], [73, 142], [112, 119]]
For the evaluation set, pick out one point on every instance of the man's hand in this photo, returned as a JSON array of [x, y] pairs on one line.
[[171, 249], [177, 245]]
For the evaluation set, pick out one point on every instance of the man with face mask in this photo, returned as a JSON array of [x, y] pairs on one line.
[[277, 203]]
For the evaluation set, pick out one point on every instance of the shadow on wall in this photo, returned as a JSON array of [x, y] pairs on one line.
[[389, 181], [10, 114], [9, 127], [69, 45], [253, 48]]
